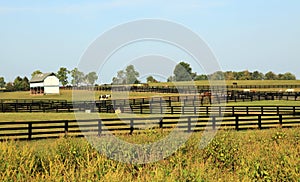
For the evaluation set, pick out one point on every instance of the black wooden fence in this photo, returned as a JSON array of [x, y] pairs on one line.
[[24, 130], [141, 104], [181, 88]]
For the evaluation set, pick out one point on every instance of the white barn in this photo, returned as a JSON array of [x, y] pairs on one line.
[[45, 83]]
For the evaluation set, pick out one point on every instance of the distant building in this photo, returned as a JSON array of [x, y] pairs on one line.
[[45, 83]]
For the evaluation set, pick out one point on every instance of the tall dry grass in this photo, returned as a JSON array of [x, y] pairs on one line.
[[257, 155]]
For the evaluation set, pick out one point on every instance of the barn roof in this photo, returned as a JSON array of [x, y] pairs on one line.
[[40, 77]]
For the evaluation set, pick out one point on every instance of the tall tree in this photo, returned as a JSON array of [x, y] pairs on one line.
[[36, 72], [289, 76], [245, 75], [270, 76], [77, 76], [18, 83], [25, 84], [9, 86], [151, 79], [183, 72], [229, 75], [218, 75], [129, 76], [201, 77], [256, 75], [91, 78], [62, 75], [2, 82], [120, 78]]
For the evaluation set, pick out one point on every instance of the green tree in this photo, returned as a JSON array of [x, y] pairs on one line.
[[91, 78], [129, 76], [201, 77], [245, 75], [77, 76], [2, 82], [62, 75], [25, 84], [171, 79], [36, 72], [183, 72], [288, 76], [218, 75], [229, 75], [18, 83], [270, 76], [9, 86], [120, 78], [256, 75], [151, 79]]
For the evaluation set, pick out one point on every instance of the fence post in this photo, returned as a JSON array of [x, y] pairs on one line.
[[141, 108], [43, 107], [99, 127], [150, 105], [280, 120], [160, 105], [29, 131], [237, 123], [172, 110], [99, 108], [183, 109], [220, 111], [131, 126], [213, 122], [207, 110], [277, 109], [294, 110], [262, 109], [195, 109], [66, 128], [247, 109], [259, 121], [189, 124], [233, 110], [161, 123]]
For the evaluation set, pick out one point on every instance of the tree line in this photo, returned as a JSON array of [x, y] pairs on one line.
[[183, 72], [78, 78]]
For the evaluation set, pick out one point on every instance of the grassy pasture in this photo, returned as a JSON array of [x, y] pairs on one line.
[[230, 82], [90, 95], [80, 95], [256, 155]]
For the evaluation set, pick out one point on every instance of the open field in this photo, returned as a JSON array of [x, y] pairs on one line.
[[90, 95], [81, 95], [230, 82], [37, 116], [251, 155], [256, 155]]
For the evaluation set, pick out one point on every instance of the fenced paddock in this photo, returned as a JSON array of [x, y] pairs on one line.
[[141, 106], [24, 130]]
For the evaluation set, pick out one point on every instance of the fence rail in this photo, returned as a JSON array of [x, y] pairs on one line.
[[181, 89], [23, 130], [144, 105]]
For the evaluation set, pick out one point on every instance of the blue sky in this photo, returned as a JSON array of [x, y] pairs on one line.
[[45, 35]]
